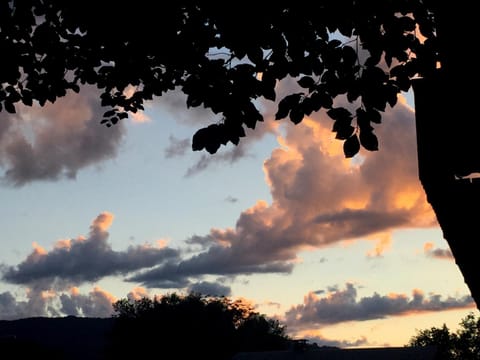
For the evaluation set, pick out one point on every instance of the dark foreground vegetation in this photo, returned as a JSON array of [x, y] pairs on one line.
[[188, 326]]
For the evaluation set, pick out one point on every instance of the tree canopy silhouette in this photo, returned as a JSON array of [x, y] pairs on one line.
[[192, 326], [464, 344], [226, 57], [221, 58]]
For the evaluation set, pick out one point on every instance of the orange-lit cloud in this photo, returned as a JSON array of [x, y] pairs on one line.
[[319, 199], [102, 222], [138, 293]]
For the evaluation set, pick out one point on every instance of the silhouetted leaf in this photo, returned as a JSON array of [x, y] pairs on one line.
[[109, 113], [27, 97], [9, 106], [296, 115], [339, 113], [351, 146], [368, 140], [306, 82], [349, 56], [286, 104], [75, 88], [343, 129], [206, 138]]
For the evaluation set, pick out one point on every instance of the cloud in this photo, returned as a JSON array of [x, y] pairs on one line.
[[85, 259], [430, 251], [177, 147], [174, 104], [57, 140], [318, 339], [319, 199], [344, 305], [138, 293], [232, 153], [210, 289], [98, 303]]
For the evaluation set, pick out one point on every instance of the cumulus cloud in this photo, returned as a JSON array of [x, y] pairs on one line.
[[320, 198], [85, 259], [344, 305], [98, 303], [57, 140]]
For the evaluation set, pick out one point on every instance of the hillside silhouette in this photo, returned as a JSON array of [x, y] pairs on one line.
[[58, 338]]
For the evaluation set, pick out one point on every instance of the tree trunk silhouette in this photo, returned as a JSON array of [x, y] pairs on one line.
[[448, 139]]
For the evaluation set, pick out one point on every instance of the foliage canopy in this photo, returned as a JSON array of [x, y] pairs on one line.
[[192, 326], [464, 344], [223, 57]]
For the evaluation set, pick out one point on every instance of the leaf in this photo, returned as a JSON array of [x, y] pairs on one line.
[[27, 97], [351, 146], [193, 101], [339, 113], [306, 82], [286, 104], [365, 117], [9, 107], [391, 94], [268, 86], [207, 138], [407, 23], [296, 115], [349, 56], [109, 113], [363, 121], [122, 115], [368, 140], [343, 130]]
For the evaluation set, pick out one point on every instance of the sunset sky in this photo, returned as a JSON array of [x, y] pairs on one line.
[[345, 252]]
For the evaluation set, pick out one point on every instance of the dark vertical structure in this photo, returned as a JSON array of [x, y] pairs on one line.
[[448, 137]]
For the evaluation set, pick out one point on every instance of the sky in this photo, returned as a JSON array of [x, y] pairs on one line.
[[344, 252]]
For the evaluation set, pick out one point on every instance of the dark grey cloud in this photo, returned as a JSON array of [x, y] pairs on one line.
[[57, 140], [231, 199], [87, 259], [217, 260], [441, 254], [344, 305], [322, 341], [437, 253], [223, 156], [210, 289]]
